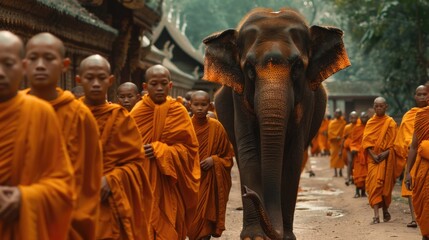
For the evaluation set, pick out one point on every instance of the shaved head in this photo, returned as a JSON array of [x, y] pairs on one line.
[[380, 100], [155, 70], [129, 85], [364, 117], [94, 60], [9, 39], [420, 96], [380, 106], [49, 39], [200, 93]]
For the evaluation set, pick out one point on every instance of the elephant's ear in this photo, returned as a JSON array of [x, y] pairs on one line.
[[328, 54], [221, 63]]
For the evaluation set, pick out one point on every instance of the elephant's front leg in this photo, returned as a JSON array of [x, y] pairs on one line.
[[247, 140]]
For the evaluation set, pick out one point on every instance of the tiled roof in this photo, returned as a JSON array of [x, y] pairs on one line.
[[352, 88]]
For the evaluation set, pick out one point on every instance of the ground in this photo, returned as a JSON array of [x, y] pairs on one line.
[[326, 209]]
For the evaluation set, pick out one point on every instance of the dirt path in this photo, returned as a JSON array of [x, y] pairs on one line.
[[326, 209]]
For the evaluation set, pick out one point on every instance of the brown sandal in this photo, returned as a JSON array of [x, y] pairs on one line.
[[412, 224], [375, 220], [386, 217]]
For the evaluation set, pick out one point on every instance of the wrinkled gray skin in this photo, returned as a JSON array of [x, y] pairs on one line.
[[272, 104]]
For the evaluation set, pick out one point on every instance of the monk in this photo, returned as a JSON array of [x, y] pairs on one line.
[[216, 154], [126, 196], [36, 176], [77, 92], [314, 146], [417, 171], [345, 152], [358, 163], [322, 136], [79, 128], [335, 132], [377, 140], [128, 95], [403, 141], [172, 161]]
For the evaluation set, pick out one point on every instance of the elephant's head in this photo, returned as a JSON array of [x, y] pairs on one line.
[[274, 59]]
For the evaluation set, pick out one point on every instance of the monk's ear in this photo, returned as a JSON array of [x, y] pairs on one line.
[[78, 79], [111, 80], [327, 54], [221, 61], [144, 85], [170, 85], [66, 64], [211, 107]]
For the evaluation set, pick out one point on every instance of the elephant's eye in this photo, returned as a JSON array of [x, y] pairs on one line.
[[250, 73]]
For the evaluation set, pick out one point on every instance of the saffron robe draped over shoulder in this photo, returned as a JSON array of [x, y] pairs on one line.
[[215, 183], [80, 132], [379, 134], [335, 132], [420, 172], [126, 213], [175, 173], [402, 144], [33, 157], [360, 169]]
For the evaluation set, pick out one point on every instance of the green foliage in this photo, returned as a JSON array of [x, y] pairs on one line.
[[391, 38]]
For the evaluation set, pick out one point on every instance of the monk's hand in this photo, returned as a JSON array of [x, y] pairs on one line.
[[206, 164], [105, 189], [10, 202], [383, 155], [374, 157], [408, 180], [148, 151]]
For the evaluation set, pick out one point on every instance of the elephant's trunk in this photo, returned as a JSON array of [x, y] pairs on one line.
[[273, 100], [263, 217]]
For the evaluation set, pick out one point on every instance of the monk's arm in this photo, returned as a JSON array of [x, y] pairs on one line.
[[412, 153], [371, 153]]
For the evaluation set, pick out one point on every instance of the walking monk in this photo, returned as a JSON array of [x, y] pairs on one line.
[[417, 172], [377, 140], [345, 145], [216, 162], [358, 163], [126, 196], [36, 177], [45, 64], [335, 132], [128, 95], [172, 160], [322, 136], [403, 141]]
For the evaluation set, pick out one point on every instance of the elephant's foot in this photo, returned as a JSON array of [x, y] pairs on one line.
[[288, 235], [253, 232]]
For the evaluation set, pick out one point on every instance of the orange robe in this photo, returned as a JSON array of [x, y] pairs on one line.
[[346, 145], [322, 135], [175, 173], [315, 148], [420, 172], [360, 169], [335, 132], [380, 133], [126, 212], [34, 158], [402, 144], [80, 132], [215, 183]]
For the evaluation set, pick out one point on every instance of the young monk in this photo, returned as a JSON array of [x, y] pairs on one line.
[[216, 162], [126, 196], [335, 132], [377, 140], [128, 95], [417, 172], [358, 163], [78, 92], [403, 141], [345, 152], [36, 177], [172, 161], [46, 61]]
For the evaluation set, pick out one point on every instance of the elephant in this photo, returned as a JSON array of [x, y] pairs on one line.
[[271, 104]]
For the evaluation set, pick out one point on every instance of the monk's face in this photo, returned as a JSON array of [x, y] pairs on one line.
[[45, 64], [158, 85], [420, 97], [338, 114], [364, 119], [95, 79], [380, 108], [353, 118], [127, 97], [11, 69], [200, 105]]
